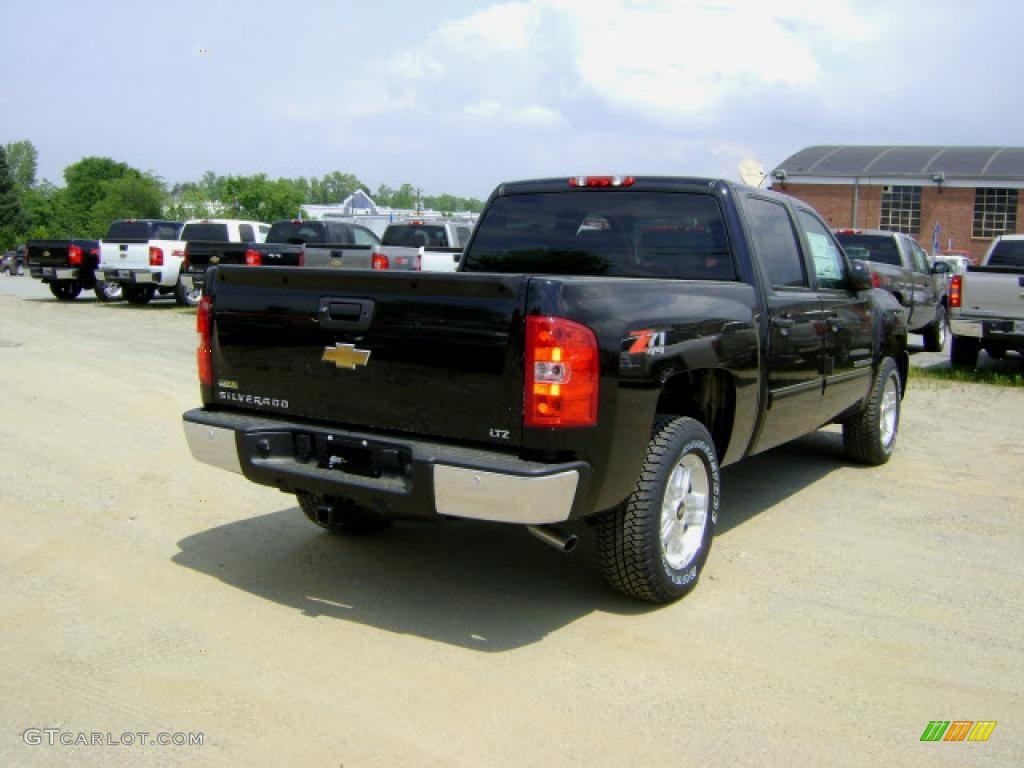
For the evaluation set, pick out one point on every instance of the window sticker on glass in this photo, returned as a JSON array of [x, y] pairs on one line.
[[826, 260]]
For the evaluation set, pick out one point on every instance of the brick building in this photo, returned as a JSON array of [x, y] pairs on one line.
[[971, 193]]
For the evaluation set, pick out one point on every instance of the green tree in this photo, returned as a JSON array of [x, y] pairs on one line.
[[23, 159], [86, 186], [129, 197], [12, 219], [405, 197]]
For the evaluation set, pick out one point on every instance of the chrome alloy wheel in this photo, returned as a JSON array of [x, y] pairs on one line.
[[889, 410], [684, 512]]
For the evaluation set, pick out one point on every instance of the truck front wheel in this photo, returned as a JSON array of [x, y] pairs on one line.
[[108, 291], [64, 290], [654, 545], [345, 518], [187, 297], [935, 334], [869, 436]]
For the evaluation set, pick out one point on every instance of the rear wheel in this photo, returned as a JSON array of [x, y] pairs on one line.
[[187, 297], [935, 334], [347, 518], [996, 353], [64, 290], [963, 352], [655, 544], [138, 294], [108, 291], [870, 435]]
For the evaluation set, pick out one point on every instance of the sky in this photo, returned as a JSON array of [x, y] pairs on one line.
[[455, 96]]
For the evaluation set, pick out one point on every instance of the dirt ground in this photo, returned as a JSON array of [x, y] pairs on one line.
[[842, 609]]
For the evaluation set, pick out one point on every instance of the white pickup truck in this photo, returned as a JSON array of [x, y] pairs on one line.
[[145, 268], [433, 246], [126, 244], [987, 304]]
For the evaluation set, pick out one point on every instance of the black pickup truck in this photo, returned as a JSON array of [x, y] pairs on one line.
[[68, 267], [608, 344], [289, 243]]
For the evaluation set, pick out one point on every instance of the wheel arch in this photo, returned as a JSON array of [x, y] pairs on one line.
[[706, 395]]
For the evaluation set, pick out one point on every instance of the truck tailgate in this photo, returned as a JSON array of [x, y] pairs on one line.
[[428, 354], [999, 292]]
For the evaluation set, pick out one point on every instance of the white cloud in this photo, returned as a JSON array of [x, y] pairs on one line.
[[533, 114]]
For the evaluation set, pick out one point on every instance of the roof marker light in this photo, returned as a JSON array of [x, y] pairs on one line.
[[601, 181]]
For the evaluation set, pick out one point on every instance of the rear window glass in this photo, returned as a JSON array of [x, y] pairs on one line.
[[298, 232], [214, 232], [1007, 253], [129, 230], [878, 248], [415, 235], [607, 232]]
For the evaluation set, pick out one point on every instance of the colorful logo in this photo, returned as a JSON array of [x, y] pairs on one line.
[[958, 730]]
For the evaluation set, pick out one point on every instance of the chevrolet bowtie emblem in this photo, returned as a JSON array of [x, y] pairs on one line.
[[346, 356]]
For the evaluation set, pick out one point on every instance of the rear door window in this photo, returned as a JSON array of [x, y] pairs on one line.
[[364, 236], [245, 233], [775, 243]]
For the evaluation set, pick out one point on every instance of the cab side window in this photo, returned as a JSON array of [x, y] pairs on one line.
[[776, 244], [363, 236], [828, 262], [920, 259], [245, 234]]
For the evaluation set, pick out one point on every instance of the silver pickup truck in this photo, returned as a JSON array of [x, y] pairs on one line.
[[987, 304], [432, 246]]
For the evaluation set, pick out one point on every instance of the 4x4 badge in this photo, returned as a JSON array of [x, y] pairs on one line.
[[346, 356]]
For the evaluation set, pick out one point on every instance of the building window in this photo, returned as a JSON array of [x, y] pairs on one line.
[[901, 209], [995, 212]]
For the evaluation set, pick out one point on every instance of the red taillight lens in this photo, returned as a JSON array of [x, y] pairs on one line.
[[156, 256], [561, 374], [601, 181], [956, 291], [380, 261], [204, 353], [876, 281], [74, 255], [302, 257], [253, 258], [184, 264]]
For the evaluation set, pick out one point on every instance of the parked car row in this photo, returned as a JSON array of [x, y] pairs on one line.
[[139, 259]]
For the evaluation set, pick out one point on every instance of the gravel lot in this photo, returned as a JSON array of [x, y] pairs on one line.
[[843, 607]]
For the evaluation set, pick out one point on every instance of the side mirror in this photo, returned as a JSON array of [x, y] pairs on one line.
[[860, 275], [940, 268]]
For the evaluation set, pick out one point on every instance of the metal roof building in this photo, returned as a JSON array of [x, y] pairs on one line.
[[950, 197]]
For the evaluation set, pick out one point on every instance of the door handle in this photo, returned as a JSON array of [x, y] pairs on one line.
[[783, 322], [343, 314]]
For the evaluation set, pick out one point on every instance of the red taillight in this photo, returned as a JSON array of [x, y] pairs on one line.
[[253, 258], [380, 261], [156, 256], [184, 263], [74, 255], [848, 231], [204, 353], [876, 281], [302, 257], [561, 374], [419, 261], [956, 291], [601, 181]]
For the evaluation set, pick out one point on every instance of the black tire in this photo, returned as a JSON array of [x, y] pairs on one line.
[[185, 297], [5, 270], [869, 436], [349, 518], [107, 292], [935, 334], [963, 352], [64, 290], [138, 294], [635, 544], [997, 353]]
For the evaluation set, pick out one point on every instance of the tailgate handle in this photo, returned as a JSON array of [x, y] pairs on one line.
[[346, 314]]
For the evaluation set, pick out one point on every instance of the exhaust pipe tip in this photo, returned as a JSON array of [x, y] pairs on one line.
[[555, 537], [324, 514]]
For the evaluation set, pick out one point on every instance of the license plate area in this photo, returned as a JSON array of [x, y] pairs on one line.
[[354, 456]]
